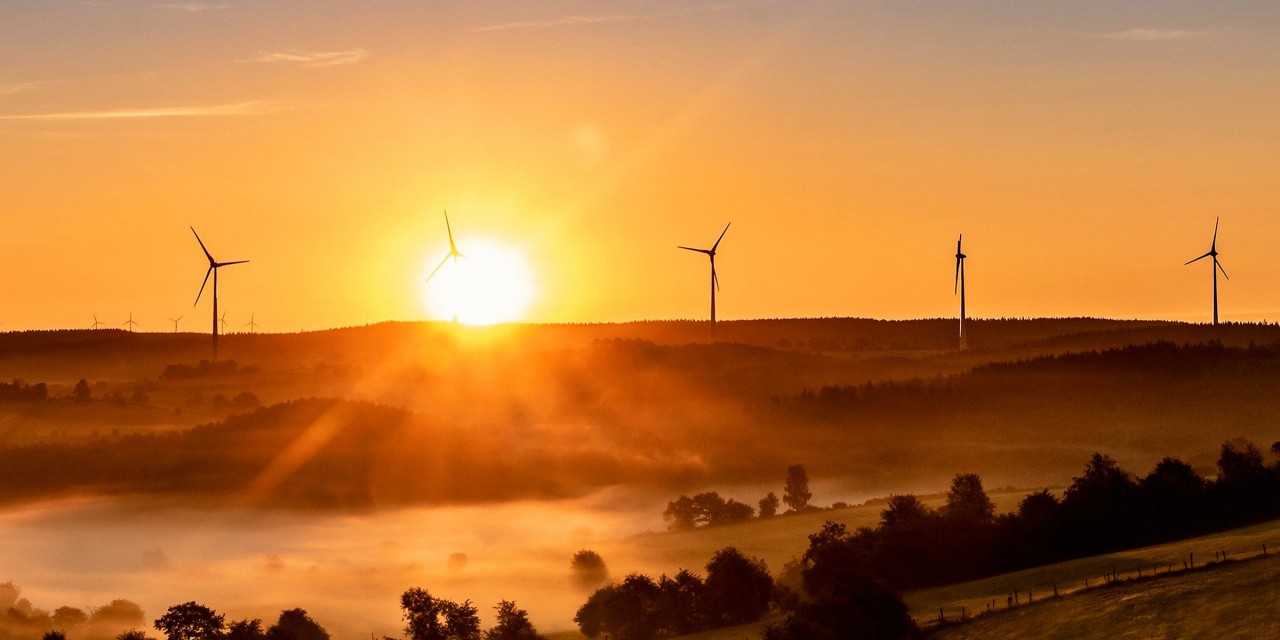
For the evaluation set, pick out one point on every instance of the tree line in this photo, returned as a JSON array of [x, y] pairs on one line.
[[738, 589], [710, 509], [1104, 509]]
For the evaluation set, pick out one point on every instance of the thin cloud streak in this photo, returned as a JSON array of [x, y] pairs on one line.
[[190, 7], [621, 17], [18, 87], [1142, 34], [210, 111], [558, 22], [315, 58]]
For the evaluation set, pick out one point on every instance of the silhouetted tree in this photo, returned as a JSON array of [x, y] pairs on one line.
[[1172, 498], [626, 611], [769, 505], [588, 568], [737, 588], [428, 618], [796, 491], [683, 610], [132, 634], [1100, 507], [69, 617], [81, 391], [295, 624], [190, 621], [681, 514], [245, 630], [53, 635], [513, 624], [967, 502]]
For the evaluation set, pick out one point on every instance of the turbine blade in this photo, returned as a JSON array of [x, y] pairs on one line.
[[453, 248], [206, 251], [1214, 246], [957, 287], [435, 270], [715, 279], [1219, 266], [697, 250], [1200, 258], [227, 264], [202, 284], [717, 244]]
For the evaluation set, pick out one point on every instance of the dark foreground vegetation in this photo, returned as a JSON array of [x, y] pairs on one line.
[[1105, 509]]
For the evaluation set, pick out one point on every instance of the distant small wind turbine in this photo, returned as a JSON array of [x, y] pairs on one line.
[[715, 280], [175, 323], [96, 324], [214, 265], [959, 287], [1217, 266], [253, 326], [130, 323], [223, 321]]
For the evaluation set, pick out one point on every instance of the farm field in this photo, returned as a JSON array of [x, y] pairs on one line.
[[1235, 600]]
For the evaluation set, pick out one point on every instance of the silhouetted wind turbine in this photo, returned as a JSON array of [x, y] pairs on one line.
[[453, 253], [1217, 266], [175, 323], [253, 326], [214, 265], [96, 324], [959, 287], [129, 323], [715, 280], [453, 249], [223, 320]]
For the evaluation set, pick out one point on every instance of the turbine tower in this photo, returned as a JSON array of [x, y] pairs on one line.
[[453, 253], [214, 265], [1217, 266], [959, 288], [175, 323], [715, 280], [129, 323]]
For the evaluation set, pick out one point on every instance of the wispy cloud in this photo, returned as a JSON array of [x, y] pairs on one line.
[[191, 7], [559, 22], [315, 58], [623, 17], [1143, 34], [18, 87], [206, 111]]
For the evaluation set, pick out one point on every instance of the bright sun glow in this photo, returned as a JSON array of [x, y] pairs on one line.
[[490, 283]]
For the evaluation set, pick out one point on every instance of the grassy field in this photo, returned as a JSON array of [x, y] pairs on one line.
[[1233, 600], [1070, 576]]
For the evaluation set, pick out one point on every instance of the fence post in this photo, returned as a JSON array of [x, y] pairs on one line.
[[1055, 589], [1086, 583], [941, 618], [1030, 597], [963, 614]]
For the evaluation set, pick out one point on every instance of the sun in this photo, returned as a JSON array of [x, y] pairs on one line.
[[490, 283]]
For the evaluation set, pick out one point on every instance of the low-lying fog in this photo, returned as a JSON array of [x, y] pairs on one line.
[[347, 571]]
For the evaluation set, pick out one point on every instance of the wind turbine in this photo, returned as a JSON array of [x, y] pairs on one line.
[[453, 253], [959, 288], [175, 323], [214, 265], [223, 321], [1217, 266], [715, 280], [129, 323], [96, 324], [253, 326]]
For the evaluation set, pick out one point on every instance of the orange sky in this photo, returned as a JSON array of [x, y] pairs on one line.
[[1083, 149]]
